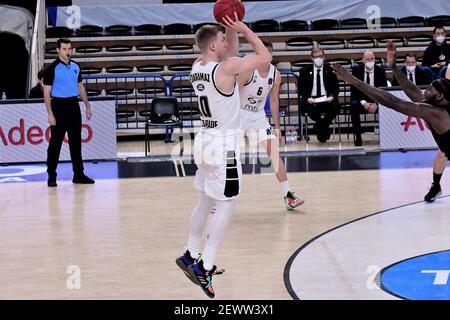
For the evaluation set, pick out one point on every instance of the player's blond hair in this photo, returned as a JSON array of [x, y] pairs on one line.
[[205, 35]]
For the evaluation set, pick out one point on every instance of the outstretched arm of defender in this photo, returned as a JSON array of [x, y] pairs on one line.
[[410, 89], [421, 110]]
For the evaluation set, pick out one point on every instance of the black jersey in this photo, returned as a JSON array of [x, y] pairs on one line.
[[443, 140]]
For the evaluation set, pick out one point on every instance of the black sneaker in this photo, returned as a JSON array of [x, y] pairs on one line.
[[435, 191], [51, 182], [184, 261], [82, 180], [203, 278]]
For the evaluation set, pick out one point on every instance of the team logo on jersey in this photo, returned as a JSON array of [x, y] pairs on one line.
[[442, 57], [200, 87], [270, 81]]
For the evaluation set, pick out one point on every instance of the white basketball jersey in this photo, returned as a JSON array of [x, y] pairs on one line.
[[254, 92], [219, 111]]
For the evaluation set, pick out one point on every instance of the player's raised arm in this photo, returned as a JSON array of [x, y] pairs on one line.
[[420, 110], [232, 38], [235, 65]]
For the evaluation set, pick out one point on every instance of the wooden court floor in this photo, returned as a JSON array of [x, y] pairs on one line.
[[122, 236]]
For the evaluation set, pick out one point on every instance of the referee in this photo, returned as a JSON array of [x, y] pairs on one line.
[[62, 86]]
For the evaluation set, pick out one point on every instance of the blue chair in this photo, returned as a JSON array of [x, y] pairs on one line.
[[442, 72], [430, 72]]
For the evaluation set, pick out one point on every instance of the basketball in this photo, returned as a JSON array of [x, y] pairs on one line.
[[228, 7]]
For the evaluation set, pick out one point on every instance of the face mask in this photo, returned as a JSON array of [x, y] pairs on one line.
[[318, 62], [370, 65], [440, 39], [410, 68]]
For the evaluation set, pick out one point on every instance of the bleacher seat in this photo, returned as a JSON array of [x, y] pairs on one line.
[[150, 68], [441, 20], [347, 63], [324, 24], [91, 71], [118, 30], [179, 48], [119, 50], [297, 65], [361, 42], [119, 69], [423, 40], [411, 22], [89, 31], [266, 25], [353, 23], [89, 51], [293, 25], [150, 49], [148, 29], [332, 44], [178, 68], [299, 44], [383, 23], [59, 32], [397, 40], [177, 28]]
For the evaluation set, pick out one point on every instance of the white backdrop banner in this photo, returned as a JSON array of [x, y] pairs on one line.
[[398, 131], [24, 133]]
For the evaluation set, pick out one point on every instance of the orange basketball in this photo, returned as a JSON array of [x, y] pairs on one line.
[[228, 7]]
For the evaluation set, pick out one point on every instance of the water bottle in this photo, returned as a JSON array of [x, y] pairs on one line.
[[294, 136], [4, 96], [289, 137]]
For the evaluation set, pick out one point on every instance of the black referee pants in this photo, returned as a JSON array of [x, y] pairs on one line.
[[68, 119]]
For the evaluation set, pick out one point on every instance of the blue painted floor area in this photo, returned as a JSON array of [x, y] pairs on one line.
[[420, 278], [142, 169]]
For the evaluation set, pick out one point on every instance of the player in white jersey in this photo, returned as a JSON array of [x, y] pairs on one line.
[[254, 89], [218, 178]]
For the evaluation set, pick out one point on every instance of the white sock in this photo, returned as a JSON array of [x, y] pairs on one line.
[[197, 223], [285, 186], [216, 231]]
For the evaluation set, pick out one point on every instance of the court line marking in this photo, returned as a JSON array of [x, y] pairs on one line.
[[380, 274], [287, 268]]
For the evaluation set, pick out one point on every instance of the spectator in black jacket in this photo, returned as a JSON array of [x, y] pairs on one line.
[[37, 92], [360, 102], [414, 73], [437, 55], [319, 81]]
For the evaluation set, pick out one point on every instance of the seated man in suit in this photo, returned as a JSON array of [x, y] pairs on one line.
[[415, 74], [360, 102], [319, 81]]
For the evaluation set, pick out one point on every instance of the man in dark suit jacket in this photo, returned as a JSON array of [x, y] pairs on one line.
[[361, 103], [319, 81], [437, 54], [416, 75]]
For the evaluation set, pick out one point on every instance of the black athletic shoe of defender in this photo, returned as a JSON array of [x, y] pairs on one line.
[[82, 180], [435, 191]]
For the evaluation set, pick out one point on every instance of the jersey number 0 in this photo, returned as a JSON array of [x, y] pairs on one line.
[[204, 107]]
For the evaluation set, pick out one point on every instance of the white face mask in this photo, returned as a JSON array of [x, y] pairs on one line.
[[410, 68], [440, 39], [370, 65], [318, 62]]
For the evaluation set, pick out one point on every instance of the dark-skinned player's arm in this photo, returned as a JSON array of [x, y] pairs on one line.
[[414, 93], [421, 110]]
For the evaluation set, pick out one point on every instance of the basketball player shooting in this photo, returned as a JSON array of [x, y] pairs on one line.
[[219, 175], [433, 105]]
